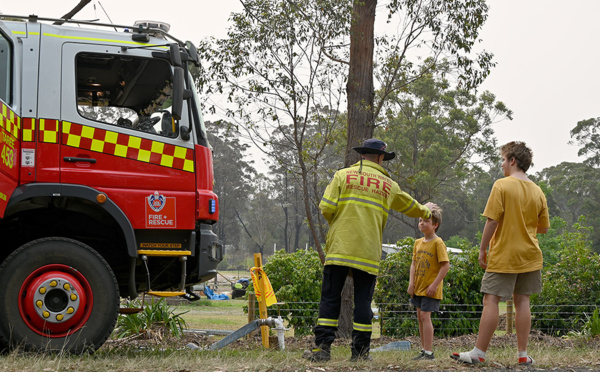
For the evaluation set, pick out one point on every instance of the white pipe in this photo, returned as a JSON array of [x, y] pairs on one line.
[[280, 332]]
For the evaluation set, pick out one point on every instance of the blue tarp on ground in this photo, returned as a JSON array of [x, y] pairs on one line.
[[213, 296]]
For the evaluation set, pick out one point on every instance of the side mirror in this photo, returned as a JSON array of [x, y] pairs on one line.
[[178, 88], [193, 52], [174, 55]]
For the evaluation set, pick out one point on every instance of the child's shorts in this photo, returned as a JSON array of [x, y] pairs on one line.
[[426, 303], [504, 284]]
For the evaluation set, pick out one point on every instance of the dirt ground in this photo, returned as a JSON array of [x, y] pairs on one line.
[[158, 339]]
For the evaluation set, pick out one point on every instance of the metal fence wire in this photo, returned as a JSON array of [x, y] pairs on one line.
[[395, 318]]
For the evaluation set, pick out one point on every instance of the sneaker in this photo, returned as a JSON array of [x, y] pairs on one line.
[[424, 355], [466, 358], [318, 355], [363, 357], [428, 356], [526, 361], [420, 355]]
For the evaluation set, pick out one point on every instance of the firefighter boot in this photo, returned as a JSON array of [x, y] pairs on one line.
[[319, 354]]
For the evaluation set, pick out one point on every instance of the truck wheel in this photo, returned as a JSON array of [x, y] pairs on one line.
[[57, 294]]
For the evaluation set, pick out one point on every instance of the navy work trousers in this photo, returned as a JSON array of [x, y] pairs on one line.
[[334, 278]]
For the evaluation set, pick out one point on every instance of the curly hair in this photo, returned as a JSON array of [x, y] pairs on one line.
[[518, 150]]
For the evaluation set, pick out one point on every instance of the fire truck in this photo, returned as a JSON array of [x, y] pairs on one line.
[[106, 177]]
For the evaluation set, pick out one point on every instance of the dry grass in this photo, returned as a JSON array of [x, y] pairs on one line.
[[157, 353], [249, 355]]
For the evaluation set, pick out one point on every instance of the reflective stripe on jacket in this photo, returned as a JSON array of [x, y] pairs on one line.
[[356, 204]]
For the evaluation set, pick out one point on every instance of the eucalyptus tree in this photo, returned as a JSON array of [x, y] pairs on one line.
[[586, 134], [261, 217], [233, 184], [441, 135], [573, 190], [274, 71], [440, 31]]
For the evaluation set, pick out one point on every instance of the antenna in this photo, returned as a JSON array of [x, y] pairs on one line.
[[110, 20]]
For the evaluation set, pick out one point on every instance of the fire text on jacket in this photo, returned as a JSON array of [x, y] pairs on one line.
[[368, 182]]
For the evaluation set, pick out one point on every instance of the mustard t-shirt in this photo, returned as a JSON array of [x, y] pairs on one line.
[[519, 207], [428, 257]]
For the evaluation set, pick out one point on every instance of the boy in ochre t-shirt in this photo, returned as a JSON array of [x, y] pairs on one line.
[[509, 251], [429, 267]]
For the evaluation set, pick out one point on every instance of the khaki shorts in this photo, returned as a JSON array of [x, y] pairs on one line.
[[505, 284]]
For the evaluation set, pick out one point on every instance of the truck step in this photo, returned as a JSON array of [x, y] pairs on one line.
[[166, 293], [163, 253]]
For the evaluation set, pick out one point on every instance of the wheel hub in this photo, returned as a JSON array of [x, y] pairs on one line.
[[55, 300]]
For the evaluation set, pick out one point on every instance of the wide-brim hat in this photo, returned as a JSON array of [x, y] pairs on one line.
[[375, 146]]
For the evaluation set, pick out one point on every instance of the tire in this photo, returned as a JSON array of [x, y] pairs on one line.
[[57, 294]]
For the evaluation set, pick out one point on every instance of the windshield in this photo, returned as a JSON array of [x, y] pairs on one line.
[[126, 91]]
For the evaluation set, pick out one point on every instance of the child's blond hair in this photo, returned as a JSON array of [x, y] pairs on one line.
[[436, 217]]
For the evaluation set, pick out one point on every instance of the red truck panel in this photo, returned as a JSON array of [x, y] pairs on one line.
[[10, 146]]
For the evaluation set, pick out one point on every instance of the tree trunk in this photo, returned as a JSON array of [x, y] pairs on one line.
[[360, 89], [345, 324], [360, 113]]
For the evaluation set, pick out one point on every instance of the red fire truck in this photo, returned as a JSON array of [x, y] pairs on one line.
[[106, 179]]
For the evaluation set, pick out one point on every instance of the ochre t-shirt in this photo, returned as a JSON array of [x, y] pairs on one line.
[[519, 207], [428, 257]]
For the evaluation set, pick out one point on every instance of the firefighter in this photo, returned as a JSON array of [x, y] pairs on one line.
[[356, 205]]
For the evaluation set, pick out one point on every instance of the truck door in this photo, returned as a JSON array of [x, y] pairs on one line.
[[117, 134], [9, 122]]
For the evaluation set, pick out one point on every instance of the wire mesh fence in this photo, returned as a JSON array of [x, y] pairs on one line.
[[452, 319]]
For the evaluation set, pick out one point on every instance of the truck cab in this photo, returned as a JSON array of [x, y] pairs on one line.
[[106, 177]]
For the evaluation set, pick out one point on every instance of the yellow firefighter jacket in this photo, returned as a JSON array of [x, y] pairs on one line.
[[356, 204]]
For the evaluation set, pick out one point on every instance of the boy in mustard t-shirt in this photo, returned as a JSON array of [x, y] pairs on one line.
[[509, 251], [429, 266]]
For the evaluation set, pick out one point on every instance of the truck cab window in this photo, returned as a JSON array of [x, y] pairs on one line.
[[126, 91], [5, 69]]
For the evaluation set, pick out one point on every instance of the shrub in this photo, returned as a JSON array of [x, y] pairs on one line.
[[157, 318], [296, 279], [571, 287], [461, 286], [591, 328]]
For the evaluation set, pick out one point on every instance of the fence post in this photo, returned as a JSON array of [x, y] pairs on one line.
[[510, 316], [251, 310], [381, 326], [251, 307]]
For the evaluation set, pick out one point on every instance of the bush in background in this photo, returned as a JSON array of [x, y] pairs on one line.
[[571, 286], [296, 279], [461, 286]]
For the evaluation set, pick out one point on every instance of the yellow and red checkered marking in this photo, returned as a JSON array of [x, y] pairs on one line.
[[48, 130], [125, 146], [29, 130], [9, 121]]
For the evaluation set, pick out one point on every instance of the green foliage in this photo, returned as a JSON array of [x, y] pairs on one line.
[[571, 282], [586, 134], [591, 328], [156, 317], [552, 242], [573, 190], [296, 279], [441, 135], [461, 286]]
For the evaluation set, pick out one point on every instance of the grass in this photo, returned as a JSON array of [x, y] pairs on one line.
[[208, 314], [251, 356], [259, 359]]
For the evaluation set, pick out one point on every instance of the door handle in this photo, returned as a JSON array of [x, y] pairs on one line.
[[75, 160]]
